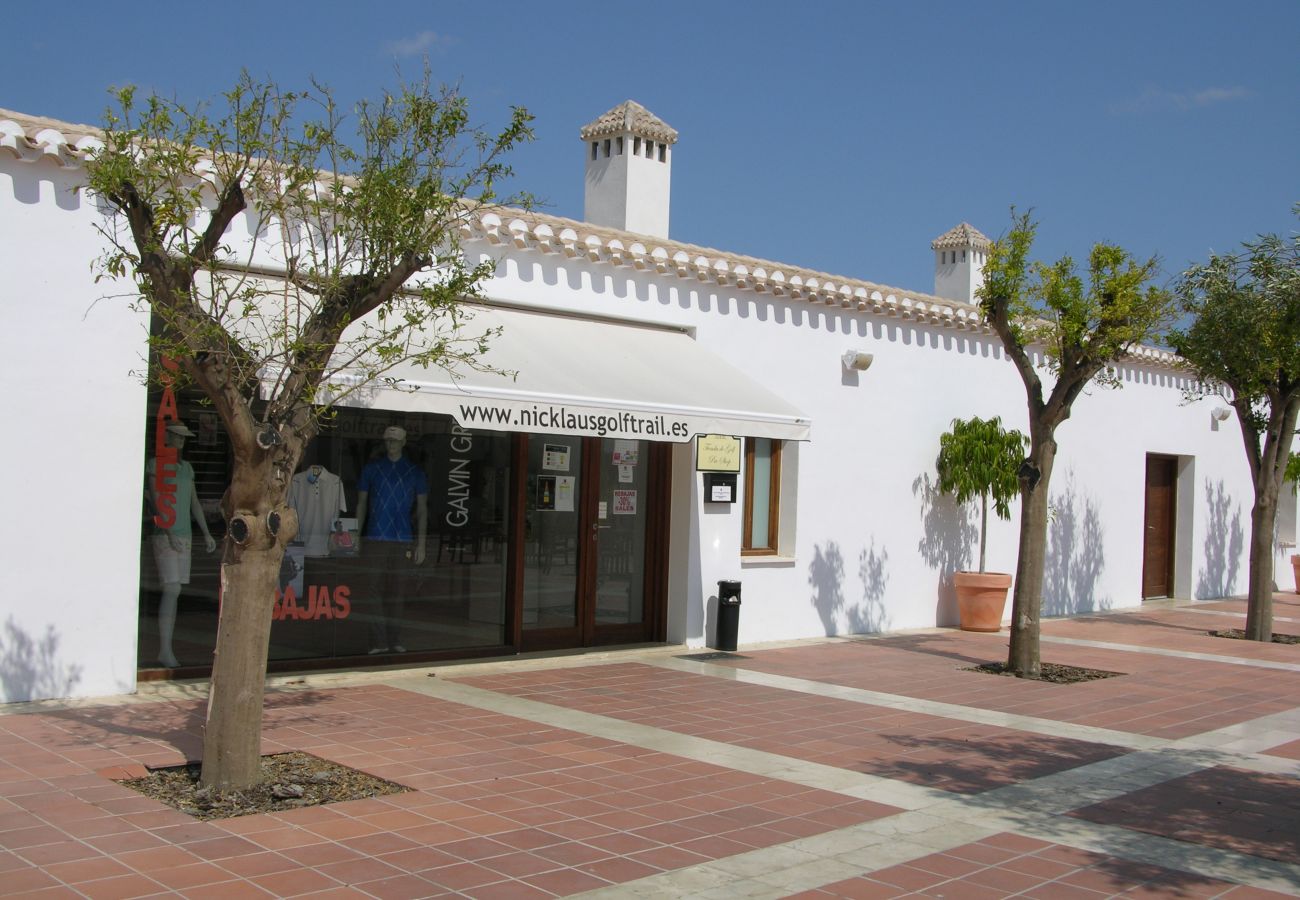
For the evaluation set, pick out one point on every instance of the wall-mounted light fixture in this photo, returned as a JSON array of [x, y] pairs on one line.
[[1221, 414], [854, 359]]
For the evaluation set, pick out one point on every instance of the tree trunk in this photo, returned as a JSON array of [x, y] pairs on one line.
[[259, 525], [1259, 597], [1024, 658], [1268, 469], [984, 526], [232, 740]]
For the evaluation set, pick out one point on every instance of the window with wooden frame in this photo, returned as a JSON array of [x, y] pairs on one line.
[[762, 496]]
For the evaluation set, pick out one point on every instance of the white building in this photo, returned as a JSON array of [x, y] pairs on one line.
[[567, 508]]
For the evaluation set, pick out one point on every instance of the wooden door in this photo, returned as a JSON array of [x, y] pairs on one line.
[[1158, 531], [595, 547]]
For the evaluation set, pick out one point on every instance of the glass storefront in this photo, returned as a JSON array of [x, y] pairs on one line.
[[345, 590], [357, 583]]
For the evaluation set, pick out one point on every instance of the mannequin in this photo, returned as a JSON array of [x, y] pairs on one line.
[[175, 504], [387, 491]]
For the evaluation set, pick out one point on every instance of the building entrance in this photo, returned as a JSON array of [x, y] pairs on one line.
[[1158, 531], [593, 542]]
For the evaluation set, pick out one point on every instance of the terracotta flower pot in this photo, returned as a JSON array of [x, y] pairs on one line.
[[1295, 568], [981, 598]]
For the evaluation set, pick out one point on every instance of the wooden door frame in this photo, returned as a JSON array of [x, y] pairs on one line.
[[1172, 530], [653, 625], [585, 632]]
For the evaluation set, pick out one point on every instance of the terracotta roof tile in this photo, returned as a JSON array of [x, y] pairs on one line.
[[630, 116], [964, 235]]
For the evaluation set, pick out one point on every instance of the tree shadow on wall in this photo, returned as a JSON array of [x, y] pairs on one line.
[[1224, 541], [1076, 554], [871, 616], [30, 669], [949, 533], [826, 578]]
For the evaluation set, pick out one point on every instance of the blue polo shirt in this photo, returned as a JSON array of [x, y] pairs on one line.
[[391, 488]]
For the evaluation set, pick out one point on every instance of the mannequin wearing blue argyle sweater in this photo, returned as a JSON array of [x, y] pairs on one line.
[[389, 489]]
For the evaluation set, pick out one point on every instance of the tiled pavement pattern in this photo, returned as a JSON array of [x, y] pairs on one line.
[[1011, 865], [913, 747], [850, 768]]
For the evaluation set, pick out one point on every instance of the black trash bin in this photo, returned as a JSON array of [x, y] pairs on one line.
[[728, 614]]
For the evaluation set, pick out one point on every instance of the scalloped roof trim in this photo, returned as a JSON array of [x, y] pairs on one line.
[[31, 139]]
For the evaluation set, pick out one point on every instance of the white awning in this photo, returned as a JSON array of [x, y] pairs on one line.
[[593, 377]]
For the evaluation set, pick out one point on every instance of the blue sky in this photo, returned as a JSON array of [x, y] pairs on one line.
[[841, 136]]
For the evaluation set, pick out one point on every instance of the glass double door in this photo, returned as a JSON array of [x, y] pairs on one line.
[[589, 548]]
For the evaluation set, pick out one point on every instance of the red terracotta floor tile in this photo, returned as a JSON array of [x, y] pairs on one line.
[[122, 886], [1247, 812], [1087, 877], [1289, 750], [294, 883]]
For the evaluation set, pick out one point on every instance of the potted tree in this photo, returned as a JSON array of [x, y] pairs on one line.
[[978, 458]]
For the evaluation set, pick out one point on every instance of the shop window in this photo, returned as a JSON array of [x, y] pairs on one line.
[[347, 588], [762, 497]]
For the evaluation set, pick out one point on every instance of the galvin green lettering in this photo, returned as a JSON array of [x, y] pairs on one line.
[[458, 479]]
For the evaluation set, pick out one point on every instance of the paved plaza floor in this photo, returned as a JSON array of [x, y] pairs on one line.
[[848, 767]]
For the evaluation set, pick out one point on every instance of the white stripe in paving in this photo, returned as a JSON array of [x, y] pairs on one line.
[[1227, 612], [1031, 724], [1181, 654], [756, 762]]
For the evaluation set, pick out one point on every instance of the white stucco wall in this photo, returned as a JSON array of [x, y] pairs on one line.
[[71, 463]]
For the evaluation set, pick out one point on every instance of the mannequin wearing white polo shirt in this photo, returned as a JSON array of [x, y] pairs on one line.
[[316, 494], [171, 545]]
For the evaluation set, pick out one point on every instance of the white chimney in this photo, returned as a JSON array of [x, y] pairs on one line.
[[959, 257], [629, 170]]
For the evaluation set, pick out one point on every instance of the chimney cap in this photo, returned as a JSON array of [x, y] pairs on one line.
[[963, 236], [630, 116]]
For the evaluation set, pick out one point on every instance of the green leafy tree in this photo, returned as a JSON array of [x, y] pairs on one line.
[[1245, 338], [349, 264], [1078, 329], [978, 458]]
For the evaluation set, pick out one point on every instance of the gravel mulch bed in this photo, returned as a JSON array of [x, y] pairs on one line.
[[1240, 635], [1053, 672], [289, 781]]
